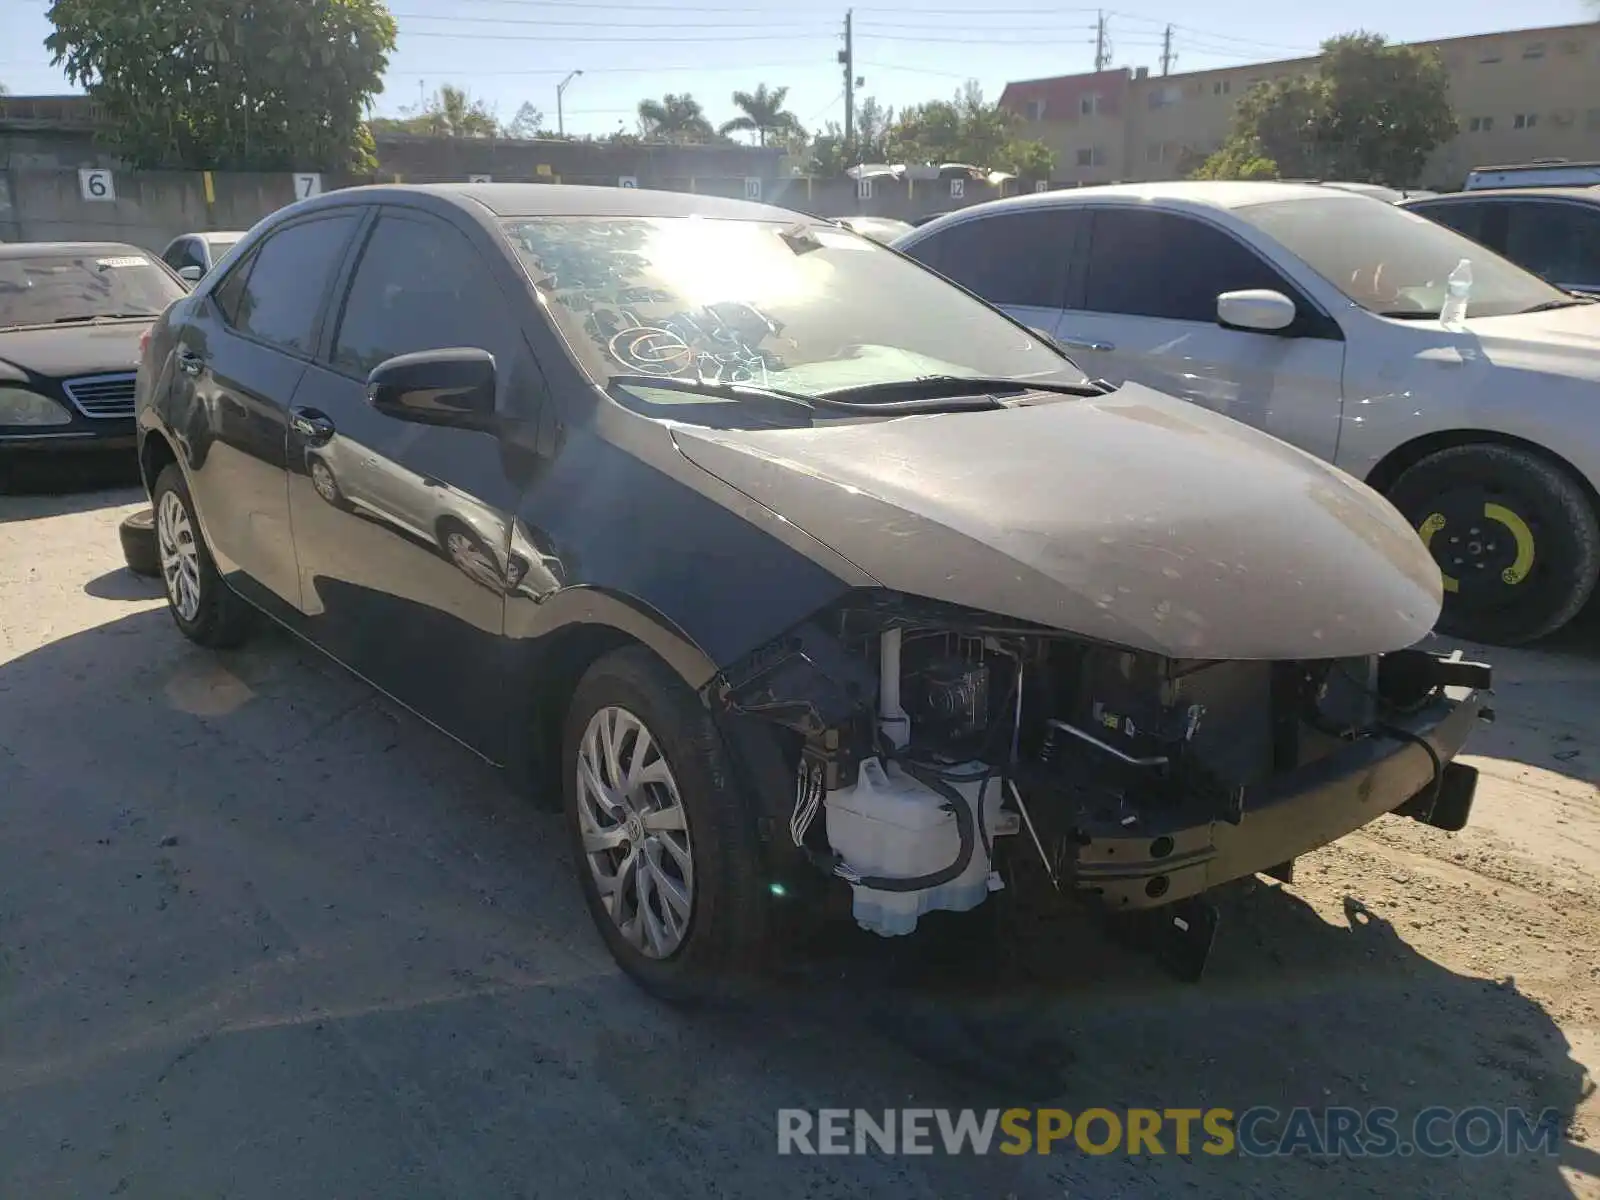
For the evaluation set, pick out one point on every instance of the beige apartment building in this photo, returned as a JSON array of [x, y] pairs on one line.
[[1520, 95]]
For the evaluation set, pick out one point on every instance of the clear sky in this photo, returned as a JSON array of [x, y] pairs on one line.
[[509, 51]]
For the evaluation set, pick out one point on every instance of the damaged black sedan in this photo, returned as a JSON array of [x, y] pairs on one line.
[[786, 565]]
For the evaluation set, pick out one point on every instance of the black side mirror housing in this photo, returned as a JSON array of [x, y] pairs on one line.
[[453, 387]]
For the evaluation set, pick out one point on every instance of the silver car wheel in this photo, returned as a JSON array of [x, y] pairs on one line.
[[635, 832], [322, 480], [180, 557]]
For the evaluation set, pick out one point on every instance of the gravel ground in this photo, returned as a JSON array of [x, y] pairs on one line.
[[262, 936]]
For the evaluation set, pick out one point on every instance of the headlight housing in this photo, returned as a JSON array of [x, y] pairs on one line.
[[19, 406]]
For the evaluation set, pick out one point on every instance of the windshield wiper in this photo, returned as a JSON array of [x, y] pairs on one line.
[[970, 399], [111, 316], [947, 387], [1551, 305], [1411, 314]]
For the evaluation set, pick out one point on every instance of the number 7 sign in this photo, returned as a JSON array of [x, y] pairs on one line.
[[306, 186]]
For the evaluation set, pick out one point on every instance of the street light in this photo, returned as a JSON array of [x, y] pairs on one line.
[[561, 124]]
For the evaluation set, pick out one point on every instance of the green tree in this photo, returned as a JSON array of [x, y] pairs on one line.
[[674, 118], [965, 129], [873, 123], [231, 84], [1029, 160], [528, 123], [1371, 113], [449, 112], [762, 113]]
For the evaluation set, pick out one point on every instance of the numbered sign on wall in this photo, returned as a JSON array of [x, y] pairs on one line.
[[480, 179], [306, 186], [958, 189], [1042, 185], [863, 189], [752, 189], [627, 181], [96, 185]]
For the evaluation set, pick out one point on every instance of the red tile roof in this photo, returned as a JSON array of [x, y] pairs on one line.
[[1062, 95]]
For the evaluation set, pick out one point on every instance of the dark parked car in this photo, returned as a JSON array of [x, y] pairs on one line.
[[827, 575], [1553, 232], [71, 316], [192, 255]]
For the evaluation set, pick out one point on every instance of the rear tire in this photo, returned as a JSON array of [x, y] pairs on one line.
[[205, 609], [138, 536], [726, 927], [1514, 534]]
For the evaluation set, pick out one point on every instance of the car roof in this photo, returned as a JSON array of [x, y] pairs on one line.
[[10, 250], [1216, 194], [572, 200], [1589, 194]]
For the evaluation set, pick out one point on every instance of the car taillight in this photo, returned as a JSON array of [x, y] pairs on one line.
[[144, 342]]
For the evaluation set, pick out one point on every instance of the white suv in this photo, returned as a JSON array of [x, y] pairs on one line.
[[1313, 313]]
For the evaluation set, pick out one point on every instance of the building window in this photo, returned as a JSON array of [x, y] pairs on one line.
[[1035, 110], [1480, 125], [1092, 157], [1533, 50], [1490, 56], [1221, 87], [1572, 47], [1165, 97], [1524, 120], [1090, 104]]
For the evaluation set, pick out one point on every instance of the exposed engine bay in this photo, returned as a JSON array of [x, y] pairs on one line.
[[937, 749]]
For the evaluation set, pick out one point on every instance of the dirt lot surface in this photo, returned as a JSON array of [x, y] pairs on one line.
[[262, 936]]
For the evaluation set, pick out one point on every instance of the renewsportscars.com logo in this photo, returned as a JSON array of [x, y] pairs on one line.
[[1259, 1132]]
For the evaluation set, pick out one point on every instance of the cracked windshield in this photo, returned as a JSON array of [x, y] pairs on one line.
[[801, 307], [879, 600]]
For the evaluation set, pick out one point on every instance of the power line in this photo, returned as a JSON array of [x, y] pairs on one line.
[[542, 23], [648, 38], [651, 70]]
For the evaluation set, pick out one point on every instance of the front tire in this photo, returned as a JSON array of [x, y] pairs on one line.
[[1514, 534], [204, 608], [664, 842]]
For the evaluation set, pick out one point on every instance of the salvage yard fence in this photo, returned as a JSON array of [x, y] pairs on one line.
[[150, 208]]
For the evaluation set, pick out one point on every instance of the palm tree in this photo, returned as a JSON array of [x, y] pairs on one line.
[[674, 118], [763, 113]]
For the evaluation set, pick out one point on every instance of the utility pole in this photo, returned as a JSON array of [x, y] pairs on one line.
[[847, 56], [1102, 45], [1167, 56]]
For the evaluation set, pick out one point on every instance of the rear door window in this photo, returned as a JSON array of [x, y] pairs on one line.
[[1014, 259]]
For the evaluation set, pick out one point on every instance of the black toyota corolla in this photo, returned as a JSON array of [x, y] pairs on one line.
[[71, 316], [787, 566]]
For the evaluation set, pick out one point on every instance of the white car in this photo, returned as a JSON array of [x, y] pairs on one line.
[[1313, 313], [192, 255]]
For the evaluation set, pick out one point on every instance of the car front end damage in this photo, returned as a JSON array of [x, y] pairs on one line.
[[939, 752]]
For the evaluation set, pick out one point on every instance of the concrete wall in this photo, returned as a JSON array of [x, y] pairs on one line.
[[152, 207]]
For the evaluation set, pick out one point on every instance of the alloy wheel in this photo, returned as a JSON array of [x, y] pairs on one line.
[[180, 556], [635, 832], [322, 480]]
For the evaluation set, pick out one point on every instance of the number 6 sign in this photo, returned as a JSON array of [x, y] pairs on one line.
[[96, 185], [307, 186]]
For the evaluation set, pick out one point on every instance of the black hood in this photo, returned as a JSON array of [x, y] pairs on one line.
[[65, 351], [1132, 517]]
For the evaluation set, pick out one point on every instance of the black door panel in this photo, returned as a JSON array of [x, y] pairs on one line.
[[403, 530]]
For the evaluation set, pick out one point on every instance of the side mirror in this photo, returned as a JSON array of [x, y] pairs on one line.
[[437, 387], [1258, 310], [191, 274]]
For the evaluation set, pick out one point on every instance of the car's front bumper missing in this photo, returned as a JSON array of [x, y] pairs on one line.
[[1151, 863]]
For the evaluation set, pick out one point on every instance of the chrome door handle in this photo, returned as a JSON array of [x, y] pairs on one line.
[[311, 425], [1073, 345]]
